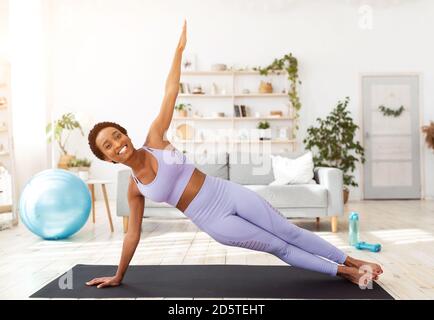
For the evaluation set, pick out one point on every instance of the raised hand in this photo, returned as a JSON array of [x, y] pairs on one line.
[[183, 38]]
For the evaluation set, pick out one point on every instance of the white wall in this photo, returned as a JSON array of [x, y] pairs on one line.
[[3, 27], [110, 58], [27, 53]]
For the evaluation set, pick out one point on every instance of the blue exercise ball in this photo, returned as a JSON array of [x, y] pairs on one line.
[[55, 204]]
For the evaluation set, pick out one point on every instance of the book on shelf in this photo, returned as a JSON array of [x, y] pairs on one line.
[[237, 111], [243, 111], [184, 88], [240, 111]]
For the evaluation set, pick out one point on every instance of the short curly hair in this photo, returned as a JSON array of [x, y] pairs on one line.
[[94, 132]]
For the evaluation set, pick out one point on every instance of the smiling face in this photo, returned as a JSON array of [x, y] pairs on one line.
[[115, 145]]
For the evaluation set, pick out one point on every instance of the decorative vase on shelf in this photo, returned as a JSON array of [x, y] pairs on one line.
[[214, 89], [291, 110]]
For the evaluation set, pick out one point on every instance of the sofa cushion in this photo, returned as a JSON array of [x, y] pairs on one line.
[[152, 204], [254, 167], [213, 164], [292, 196]]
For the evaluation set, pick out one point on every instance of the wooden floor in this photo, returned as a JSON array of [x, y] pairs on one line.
[[404, 228]]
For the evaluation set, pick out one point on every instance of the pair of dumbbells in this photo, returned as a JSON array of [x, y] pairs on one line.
[[374, 247]]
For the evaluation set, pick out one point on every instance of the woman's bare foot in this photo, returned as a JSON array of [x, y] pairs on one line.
[[370, 266], [352, 274]]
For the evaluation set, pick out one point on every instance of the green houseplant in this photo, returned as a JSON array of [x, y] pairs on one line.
[[81, 166], [263, 132], [182, 108], [66, 123], [287, 63], [333, 143]]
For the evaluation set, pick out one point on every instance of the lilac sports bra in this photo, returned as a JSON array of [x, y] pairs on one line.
[[173, 173]]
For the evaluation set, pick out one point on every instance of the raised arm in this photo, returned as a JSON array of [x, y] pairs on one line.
[[162, 121], [137, 204]]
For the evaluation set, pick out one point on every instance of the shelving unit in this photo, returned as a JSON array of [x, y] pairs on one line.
[[239, 141], [230, 118], [224, 102], [7, 182], [227, 72], [257, 95]]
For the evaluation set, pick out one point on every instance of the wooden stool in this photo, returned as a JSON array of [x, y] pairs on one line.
[[91, 184]]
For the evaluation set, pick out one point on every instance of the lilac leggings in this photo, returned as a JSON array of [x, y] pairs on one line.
[[237, 216]]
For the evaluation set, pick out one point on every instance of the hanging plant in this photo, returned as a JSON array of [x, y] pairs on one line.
[[387, 112], [289, 64]]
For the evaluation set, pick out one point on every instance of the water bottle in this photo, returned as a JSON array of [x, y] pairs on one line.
[[353, 231]]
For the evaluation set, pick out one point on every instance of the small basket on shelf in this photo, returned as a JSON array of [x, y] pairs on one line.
[[265, 87]]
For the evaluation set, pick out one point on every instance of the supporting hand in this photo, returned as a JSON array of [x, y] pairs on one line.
[[104, 282]]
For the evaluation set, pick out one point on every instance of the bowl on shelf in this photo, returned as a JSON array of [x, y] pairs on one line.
[[218, 114], [198, 90], [219, 67], [276, 113]]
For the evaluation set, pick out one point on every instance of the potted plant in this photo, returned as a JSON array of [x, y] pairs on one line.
[[264, 130], [181, 109], [333, 144], [68, 123], [429, 134], [80, 166]]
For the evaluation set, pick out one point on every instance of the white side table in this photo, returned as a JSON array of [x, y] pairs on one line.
[[91, 184]]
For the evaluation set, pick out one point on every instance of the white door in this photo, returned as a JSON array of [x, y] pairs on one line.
[[392, 167]]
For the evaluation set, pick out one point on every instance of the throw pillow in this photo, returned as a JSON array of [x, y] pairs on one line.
[[292, 171]]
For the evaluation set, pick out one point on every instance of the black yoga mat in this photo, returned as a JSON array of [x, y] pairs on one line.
[[211, 281]]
